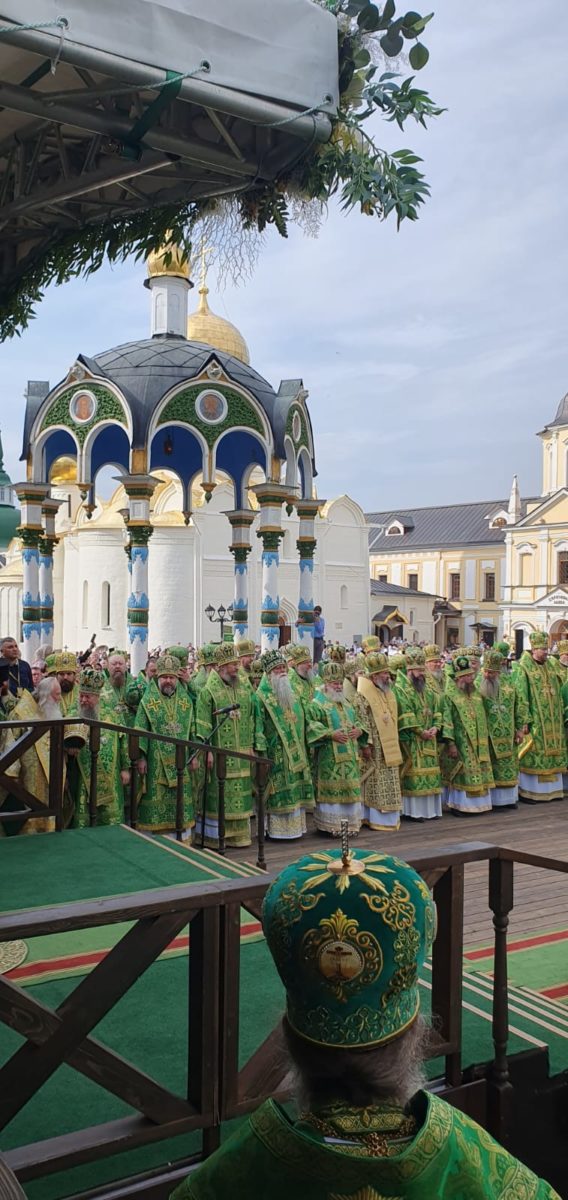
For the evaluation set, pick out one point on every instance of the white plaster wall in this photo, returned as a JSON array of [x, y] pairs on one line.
[[171, 586], [96, 556], [429, 581], [470, 591], [10, 609]]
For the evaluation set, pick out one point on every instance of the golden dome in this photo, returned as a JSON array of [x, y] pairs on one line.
[[64, 470], [178, 262], [205, 326]]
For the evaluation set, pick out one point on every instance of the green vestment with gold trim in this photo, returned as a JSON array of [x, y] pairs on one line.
[[449, 1158], [506, 715], [283, 735], [173, 716], [538, 686], [303, 689], [464, 724], [337, 777], [417, 711], [236, 732], [112, 759], [116, 699]]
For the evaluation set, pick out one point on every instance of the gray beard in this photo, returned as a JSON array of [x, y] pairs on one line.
[[282, 689], [437, 674], [309, 675], [489, 688], [168, 691], [89, 714], [50, 710], [383, 687], [337, 697]]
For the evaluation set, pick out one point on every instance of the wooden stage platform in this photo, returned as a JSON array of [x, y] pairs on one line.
[[541, 897]]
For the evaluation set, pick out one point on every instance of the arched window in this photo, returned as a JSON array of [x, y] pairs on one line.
[[344, 596], [85, 605], [411, 616], [105, 605]]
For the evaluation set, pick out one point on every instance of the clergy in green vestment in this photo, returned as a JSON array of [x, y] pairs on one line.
[[419, 722], [115, 689], [246, 651], [282, 735], [301, 673], [205, 663], [67, 670], [226, 719], [466, 763], [349, 931], [113, 765], [538, 685], [165, 708], [507, 723], [337, 737], [377, 715], [434, 669]]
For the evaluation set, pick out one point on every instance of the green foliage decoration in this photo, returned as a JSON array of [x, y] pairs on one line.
[[350, 166], [304, 439], [240, 411], [108, 408]]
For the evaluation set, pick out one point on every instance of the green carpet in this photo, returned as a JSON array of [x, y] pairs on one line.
[[538, 961]]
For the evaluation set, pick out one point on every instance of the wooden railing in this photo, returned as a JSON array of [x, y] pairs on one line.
[[185, 750], [217, 1088]]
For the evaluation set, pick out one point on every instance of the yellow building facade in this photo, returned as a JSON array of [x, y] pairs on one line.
[[498, 567]]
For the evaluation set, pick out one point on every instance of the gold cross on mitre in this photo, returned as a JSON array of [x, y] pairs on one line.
[[347, 864]]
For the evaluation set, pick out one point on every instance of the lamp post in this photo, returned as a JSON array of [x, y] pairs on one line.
[[222, 617]]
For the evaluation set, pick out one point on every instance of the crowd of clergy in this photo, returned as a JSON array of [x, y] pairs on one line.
[[364, 737]]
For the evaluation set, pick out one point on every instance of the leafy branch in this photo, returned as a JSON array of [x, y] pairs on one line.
[[350, 166]]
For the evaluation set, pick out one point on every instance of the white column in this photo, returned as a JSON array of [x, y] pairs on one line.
[[307, 512], [31, 496], [241, 521], [270, 497], [139, 489]]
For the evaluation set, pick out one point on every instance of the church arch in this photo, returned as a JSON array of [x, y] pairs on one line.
[[106, 445], [344, 596], [237, 453], [182, 451], [56, 442], [291, 477], [306, 474]]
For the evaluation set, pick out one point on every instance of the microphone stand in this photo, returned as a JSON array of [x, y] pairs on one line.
[[222, 717]]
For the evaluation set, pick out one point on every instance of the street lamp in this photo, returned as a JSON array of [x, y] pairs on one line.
[[221, 618]]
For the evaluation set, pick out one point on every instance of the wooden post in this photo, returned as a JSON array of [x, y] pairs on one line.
[[55, 794], [500, 1091], [94, 747], [134, 755], [447, 966], [181, 768], [262, 770], [221, 768]]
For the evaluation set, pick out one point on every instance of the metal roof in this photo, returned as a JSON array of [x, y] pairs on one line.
[[396, 589], [437, 527]]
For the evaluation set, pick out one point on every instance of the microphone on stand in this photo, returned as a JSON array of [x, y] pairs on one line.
[[220, 712]]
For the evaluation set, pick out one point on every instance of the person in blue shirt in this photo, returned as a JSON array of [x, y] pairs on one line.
[[319, 633]]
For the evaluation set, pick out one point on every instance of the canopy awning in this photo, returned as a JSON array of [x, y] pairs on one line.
[[150, 104], [483, 626], [389, 616]]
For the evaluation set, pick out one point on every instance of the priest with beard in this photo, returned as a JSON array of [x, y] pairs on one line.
[[246, 650], [507, 723], [66, 669], [466, 764], [233, 730], [380, 789], [32, 768], [283, 732], [165, 709], [336, 733], [538, 685], [115, 689], [419, 722], [113, 764], [301, 673], [434, 670]]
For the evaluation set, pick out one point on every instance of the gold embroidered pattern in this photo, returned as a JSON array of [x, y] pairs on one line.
[[325, 862], [367, 1193], [397, 910], [349, 959]]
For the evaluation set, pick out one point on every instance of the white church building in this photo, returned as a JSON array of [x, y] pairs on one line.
[[214, 507]]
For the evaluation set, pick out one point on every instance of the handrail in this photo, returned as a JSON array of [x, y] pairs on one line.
[[132, 729]]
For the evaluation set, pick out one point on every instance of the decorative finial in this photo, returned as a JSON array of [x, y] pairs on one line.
[[346, 865]]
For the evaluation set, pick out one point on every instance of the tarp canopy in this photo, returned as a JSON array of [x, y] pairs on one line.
[[101, 136]]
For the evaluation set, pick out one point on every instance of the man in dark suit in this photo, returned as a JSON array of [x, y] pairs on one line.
[[13, 670]]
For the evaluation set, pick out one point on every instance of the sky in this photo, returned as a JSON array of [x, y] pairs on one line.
[[432, 355]]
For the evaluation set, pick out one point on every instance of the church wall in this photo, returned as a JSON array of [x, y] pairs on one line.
[[11, 609], [171, 586], [94, 558]]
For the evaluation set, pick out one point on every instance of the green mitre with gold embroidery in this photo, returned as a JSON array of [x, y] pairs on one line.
[[349, 931]]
